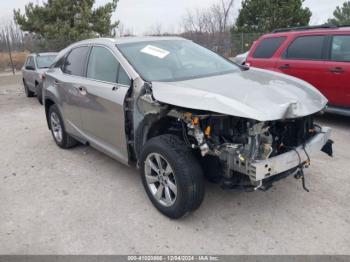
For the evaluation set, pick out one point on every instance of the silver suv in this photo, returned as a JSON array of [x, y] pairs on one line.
[[179, 112], [33, 73]]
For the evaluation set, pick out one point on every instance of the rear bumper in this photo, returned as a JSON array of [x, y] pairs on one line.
[[263, 169]]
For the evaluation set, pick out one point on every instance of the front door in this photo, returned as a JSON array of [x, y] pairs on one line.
[[102, 110]]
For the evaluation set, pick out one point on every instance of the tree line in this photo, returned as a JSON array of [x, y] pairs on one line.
[[57, 23]]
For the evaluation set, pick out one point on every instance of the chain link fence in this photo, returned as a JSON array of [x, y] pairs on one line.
[[20, 45]]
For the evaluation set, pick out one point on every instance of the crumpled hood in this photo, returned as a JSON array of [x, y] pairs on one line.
[[255, 94]]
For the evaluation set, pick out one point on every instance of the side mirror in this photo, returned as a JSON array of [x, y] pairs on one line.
[[28, 67]]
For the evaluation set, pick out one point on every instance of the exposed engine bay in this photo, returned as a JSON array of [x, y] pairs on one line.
[[238, 152], [249, 151]]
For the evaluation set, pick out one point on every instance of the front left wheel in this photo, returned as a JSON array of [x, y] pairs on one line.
[[171, 176]]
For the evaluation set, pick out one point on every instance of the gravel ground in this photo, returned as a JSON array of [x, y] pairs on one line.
[[80, 201]]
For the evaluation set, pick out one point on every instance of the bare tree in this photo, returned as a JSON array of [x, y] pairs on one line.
[[10, 30], [213, 19], [122, 30], [209, 26]]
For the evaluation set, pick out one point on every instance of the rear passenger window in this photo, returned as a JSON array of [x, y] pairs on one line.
[[341, 48], [306, 48], [102, 65], [123, 77], [268, 47], [75, 62]]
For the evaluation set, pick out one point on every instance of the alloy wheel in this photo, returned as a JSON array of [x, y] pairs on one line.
[[56, 127], [160, 179]]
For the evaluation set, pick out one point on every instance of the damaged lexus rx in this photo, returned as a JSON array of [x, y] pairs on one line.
[[179, 112]]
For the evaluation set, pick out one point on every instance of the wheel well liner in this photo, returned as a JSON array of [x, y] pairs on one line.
[[151, 126]]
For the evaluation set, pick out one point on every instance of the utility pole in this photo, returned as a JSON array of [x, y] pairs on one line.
[[9, 49]]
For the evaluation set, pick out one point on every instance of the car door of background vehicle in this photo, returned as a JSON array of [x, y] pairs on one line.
[[102, 110], [304, 59], [338, 70], [29, 74], [67, 79]]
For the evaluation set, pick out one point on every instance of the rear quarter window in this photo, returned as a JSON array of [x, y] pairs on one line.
[[268, 47], [340, 49]]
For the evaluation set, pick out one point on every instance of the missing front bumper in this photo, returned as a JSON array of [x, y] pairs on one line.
[[263, 169]]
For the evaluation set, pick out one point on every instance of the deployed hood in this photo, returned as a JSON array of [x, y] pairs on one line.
[[255, 94]]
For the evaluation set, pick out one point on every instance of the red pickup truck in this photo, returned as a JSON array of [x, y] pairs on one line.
[[319, 55]]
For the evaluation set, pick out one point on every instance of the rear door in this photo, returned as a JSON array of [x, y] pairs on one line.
[[338, 71], [304, 58], [102, 109], [67, 79], [262, 55]]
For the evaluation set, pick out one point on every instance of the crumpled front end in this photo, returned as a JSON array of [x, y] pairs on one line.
[[253, 154]]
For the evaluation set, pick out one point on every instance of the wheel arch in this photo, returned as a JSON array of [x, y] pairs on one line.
[[48, 103], [152, 126]]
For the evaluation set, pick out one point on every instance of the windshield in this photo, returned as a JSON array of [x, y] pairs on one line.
[[45, 61], [174, 60]]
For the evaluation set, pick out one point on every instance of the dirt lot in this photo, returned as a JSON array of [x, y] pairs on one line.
[[80, 201]]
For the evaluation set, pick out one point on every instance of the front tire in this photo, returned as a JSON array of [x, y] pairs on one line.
[[171, 176], [59, 134]]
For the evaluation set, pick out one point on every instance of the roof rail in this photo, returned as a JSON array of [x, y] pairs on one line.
[[301, 28]]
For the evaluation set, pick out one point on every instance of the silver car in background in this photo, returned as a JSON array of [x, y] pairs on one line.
[[178, 112], [33, 73]]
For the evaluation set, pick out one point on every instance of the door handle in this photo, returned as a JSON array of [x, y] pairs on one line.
[[286, 66], [337, 70], [55, 82], [82, 90], [114, 88]]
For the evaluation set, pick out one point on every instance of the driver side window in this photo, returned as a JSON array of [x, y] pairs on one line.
[[102, 65]]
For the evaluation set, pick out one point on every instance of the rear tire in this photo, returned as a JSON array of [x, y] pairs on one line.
[[178, 186], [59, 134], [27, 91], [39, 94]]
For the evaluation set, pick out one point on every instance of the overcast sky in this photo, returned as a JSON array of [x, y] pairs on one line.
[[142, 15]]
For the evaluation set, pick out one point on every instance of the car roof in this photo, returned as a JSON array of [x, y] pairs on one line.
[[311, 31], [43, 54], [129, 39]]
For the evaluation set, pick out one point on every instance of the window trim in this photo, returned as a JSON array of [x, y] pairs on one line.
[[330, 45], [268, 38], [323, 52], [119, 64]]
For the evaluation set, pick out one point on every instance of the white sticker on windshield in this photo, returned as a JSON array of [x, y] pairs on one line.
[[155, 51]]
